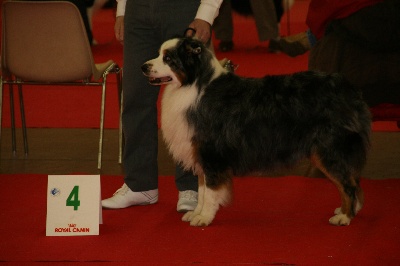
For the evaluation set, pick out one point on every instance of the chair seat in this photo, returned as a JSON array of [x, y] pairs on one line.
[[101, 68]]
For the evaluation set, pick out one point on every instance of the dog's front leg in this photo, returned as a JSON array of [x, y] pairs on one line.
[[207, 206], [211, 202], [188, 216], [208, 203]]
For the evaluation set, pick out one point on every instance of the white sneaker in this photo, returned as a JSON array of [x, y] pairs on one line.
[[125, 197], [187, 201]]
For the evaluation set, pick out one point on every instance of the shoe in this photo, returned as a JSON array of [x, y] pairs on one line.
[[273, 46], [292, 45], [225, 46], [125, 197], [187, 201]]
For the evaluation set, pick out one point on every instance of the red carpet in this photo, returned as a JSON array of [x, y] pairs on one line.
[[272, 221]]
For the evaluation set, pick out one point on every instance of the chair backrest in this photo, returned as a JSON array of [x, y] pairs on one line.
[[45, 41]]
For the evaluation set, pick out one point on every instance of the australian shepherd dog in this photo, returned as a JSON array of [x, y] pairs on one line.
[[221, 125]]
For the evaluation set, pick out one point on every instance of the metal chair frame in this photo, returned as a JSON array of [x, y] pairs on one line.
[[11, 79]]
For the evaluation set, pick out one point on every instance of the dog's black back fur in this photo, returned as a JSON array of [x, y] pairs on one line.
[[249, 125]]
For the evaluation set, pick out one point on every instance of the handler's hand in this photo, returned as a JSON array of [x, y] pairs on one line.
[[203, 30], [119, 29]]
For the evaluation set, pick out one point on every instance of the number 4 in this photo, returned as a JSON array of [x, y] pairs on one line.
[[73, 198]]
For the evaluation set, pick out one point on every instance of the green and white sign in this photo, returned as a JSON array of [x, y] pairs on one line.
[[73, 205]]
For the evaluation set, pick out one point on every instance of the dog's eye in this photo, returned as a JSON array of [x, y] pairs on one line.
[[166, 58]]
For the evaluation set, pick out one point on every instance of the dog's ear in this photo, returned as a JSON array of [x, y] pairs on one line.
[[196, 50], [193, 46]]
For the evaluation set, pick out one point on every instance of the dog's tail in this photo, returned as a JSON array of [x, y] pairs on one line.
[[351, 141], [359, 126]]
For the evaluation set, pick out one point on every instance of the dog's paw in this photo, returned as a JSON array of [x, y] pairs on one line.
[[187, 217], [338, 211], [340, 219], [200, 220]]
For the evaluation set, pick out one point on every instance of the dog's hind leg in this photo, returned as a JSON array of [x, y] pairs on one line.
[[359, 199], [313, 171], [351, 194]]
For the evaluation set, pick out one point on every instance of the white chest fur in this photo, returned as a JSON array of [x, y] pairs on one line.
[[176, 131]]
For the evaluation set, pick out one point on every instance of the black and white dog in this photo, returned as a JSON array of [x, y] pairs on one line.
[[221, 125]]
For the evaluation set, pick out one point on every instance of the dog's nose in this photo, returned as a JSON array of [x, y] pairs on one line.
[[146, 68]]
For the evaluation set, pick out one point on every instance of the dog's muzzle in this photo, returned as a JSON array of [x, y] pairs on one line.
[[146, 69]]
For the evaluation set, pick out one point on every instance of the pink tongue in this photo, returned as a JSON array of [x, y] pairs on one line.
[[164, 79]]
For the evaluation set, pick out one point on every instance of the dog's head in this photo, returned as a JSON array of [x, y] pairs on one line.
[[182, 61]]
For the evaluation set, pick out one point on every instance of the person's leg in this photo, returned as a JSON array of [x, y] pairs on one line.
[[265, 19], [223, 27], [147, 25], [91, 11], [139, 118], [82, 6], [279, 10]]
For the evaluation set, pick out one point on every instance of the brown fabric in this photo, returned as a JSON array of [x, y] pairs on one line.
[[46, 42], [365, 48], [375, 27], [322, 12]]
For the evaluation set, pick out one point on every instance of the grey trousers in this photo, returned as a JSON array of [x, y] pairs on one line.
[[148, 23]]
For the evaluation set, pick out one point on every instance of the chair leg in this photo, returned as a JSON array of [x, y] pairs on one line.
[[12, 114], [103, 100], [121, 142], [22, 109], [120, 134], [1, 107]]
